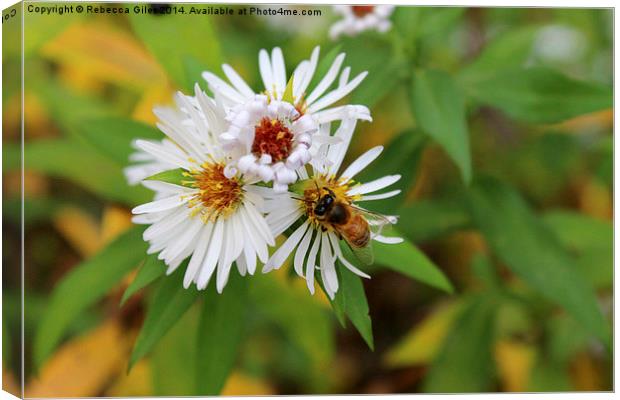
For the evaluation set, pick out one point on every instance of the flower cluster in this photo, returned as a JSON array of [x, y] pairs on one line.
[[359, 18], [254, 165]]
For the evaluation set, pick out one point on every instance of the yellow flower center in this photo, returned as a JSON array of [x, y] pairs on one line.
[[217, 195]]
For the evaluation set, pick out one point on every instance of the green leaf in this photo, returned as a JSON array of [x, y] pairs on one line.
[[112, 137], [439, 110], [302, 320], [175, 176], [592, 241], [6, 342], [547, 376], [417, 22], [67, 107], [438, 19], [531, 251], [428, 219], [410, 261], [288, 91], [172, 38], [170, 302], [193, 70], [350, 300], [173, 359], [151, 269], [220, 332], [538, 95], [465, 362], [382, 79], [402, 155], [509, 49], [83, 286], [384, 69], [78, 163]]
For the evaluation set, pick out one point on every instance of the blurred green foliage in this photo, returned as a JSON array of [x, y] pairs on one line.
[[499, 121]]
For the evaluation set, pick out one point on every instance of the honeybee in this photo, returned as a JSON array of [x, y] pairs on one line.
[[350, 222]]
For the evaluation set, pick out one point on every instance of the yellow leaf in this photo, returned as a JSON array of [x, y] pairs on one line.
[[595, 199], [79, 229], [515, 361], [137, 383], [585, 124], [154, 96], [239, 384], [421, 344], [587, 374], [106, 53], [115, 221], [83, 366], [80, 79], [9, 383]]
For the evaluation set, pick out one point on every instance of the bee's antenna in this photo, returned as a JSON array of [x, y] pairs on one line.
[[304, 200]]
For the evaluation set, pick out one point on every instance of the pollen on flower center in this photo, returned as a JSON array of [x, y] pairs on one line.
[[217, 195], [361, 11], [273, 137]]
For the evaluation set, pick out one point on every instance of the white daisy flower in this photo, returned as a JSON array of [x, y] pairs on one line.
[[357, 19], [215, 215], [327, 206], [271, 132]]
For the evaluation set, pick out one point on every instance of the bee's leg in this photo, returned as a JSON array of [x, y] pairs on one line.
[[323, 229]]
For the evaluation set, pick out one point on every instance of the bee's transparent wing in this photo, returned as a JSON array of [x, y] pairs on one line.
[[376, 221]]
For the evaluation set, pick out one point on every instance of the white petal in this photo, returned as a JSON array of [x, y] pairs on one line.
[[165, 187], [278, 258], [309, 73], [282, 219], [237, 81], [264, 65], [163, 154], [337, 93], [166, 224], [342, 112], [380, 196], [375, 185], [222, 88], [210, 261], [302, 250], [259, 223], [361, 162], [161, 205], [279, 70], [343, 260], [327, 80], [336, 153], [254, 237], [328, 270], [388, 240], [249, 254], [226, 259], [198, 256], [311, 263], [235, 221], [187, 238]]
